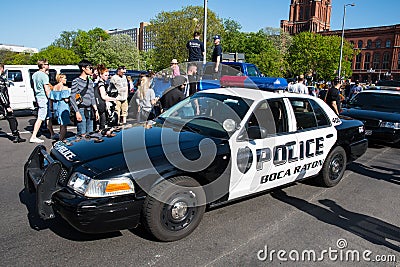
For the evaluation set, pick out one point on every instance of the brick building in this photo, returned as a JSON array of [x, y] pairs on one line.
[[142, 38], [306, 15], [379, 47]]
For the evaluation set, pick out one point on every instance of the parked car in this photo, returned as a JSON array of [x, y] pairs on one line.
[[164, 173], [379, 110]]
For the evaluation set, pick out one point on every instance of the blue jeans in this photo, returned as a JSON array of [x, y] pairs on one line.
[[86, 125]]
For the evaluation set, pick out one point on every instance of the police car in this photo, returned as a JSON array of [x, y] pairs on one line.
[[214, 147]]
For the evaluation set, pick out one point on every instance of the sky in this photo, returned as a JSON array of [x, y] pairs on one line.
[[38, 23]]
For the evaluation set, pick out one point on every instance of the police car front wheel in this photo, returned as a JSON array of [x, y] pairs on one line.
[[334, 166], [174, 208]]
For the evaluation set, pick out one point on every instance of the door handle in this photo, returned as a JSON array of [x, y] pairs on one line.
[[22, 86]]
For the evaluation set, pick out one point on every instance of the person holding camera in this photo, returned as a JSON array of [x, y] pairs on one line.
[[83, 100]]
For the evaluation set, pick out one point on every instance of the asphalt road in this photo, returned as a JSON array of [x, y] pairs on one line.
[[362, 212]]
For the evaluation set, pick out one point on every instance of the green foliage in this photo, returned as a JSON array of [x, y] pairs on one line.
[[55, 56], [174, 29], [319, 55], [66, 39], [84, 41], [116, 51]]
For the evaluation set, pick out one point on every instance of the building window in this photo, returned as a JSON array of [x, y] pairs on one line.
[[301, 13], [376, 61], [367, 61], [398, 61], [358, 61], [388, 43], [360, 44], [369, 43], [378, 44], [385, 61], [307, 16]]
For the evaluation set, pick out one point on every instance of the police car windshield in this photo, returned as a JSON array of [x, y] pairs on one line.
[[204, 110]]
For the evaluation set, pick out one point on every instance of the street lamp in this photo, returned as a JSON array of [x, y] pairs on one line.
[[205, 32], [341, 44]]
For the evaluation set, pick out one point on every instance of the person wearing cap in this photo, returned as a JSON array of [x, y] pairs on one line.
[[175, 68], [332, 97], [120, 82], [217, 56]]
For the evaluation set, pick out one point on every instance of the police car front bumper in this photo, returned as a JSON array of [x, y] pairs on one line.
[[90, 215], [357, 149]]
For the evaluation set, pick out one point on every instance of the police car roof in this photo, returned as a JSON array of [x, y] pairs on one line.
[[254, 94]]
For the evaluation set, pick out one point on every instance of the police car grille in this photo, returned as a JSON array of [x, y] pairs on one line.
[[371, 123], [63, 177]]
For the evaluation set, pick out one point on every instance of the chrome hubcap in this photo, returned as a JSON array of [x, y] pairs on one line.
[[336, 166], [179, 210]]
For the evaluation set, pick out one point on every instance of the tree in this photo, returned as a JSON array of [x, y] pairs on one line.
[[84, 41], [311, 52], [56, 56], [172, 30], [66, 39], [116, 51]]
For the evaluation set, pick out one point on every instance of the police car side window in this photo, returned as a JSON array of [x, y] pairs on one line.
[[270, 117], [320, 115], [305, 116]]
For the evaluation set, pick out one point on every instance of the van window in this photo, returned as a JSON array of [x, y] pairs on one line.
[[71, 75], [15, 75]]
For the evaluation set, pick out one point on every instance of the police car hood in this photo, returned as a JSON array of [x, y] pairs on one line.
[[363, 114], [137, 140]]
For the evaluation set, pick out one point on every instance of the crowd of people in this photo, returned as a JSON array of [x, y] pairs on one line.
[[95, 102]]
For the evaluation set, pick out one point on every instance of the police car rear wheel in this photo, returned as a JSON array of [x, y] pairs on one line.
[[334, 166], [174, 208]]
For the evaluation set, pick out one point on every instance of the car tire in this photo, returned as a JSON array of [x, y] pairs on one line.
[[174, 208], [334, 167]]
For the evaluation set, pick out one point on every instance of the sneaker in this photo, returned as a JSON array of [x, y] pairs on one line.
[[19, 139], [55, 136], [36, 140]]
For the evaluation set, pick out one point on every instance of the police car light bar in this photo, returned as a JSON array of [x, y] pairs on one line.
[[262, 83]]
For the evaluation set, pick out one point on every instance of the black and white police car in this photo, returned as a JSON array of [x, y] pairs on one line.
[[211, 148]]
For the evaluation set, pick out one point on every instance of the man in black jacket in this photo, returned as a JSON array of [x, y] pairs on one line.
[[5, 108], [174, 94]]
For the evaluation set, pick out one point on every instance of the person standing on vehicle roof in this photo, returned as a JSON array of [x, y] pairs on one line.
[[196, 51], [5, 108], [82, 98], [217, 56], [42, 89], [333, 96]]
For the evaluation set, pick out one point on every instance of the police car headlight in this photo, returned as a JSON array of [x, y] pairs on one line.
[[100, 188], [388, 124]]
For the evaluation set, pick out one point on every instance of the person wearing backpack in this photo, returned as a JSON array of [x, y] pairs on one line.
[[101, 96], [83, 100]]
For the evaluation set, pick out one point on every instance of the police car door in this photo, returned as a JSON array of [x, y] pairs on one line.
[[315, 136], [262, 150]]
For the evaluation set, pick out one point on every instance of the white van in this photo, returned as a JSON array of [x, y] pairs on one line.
[[21, 85]]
